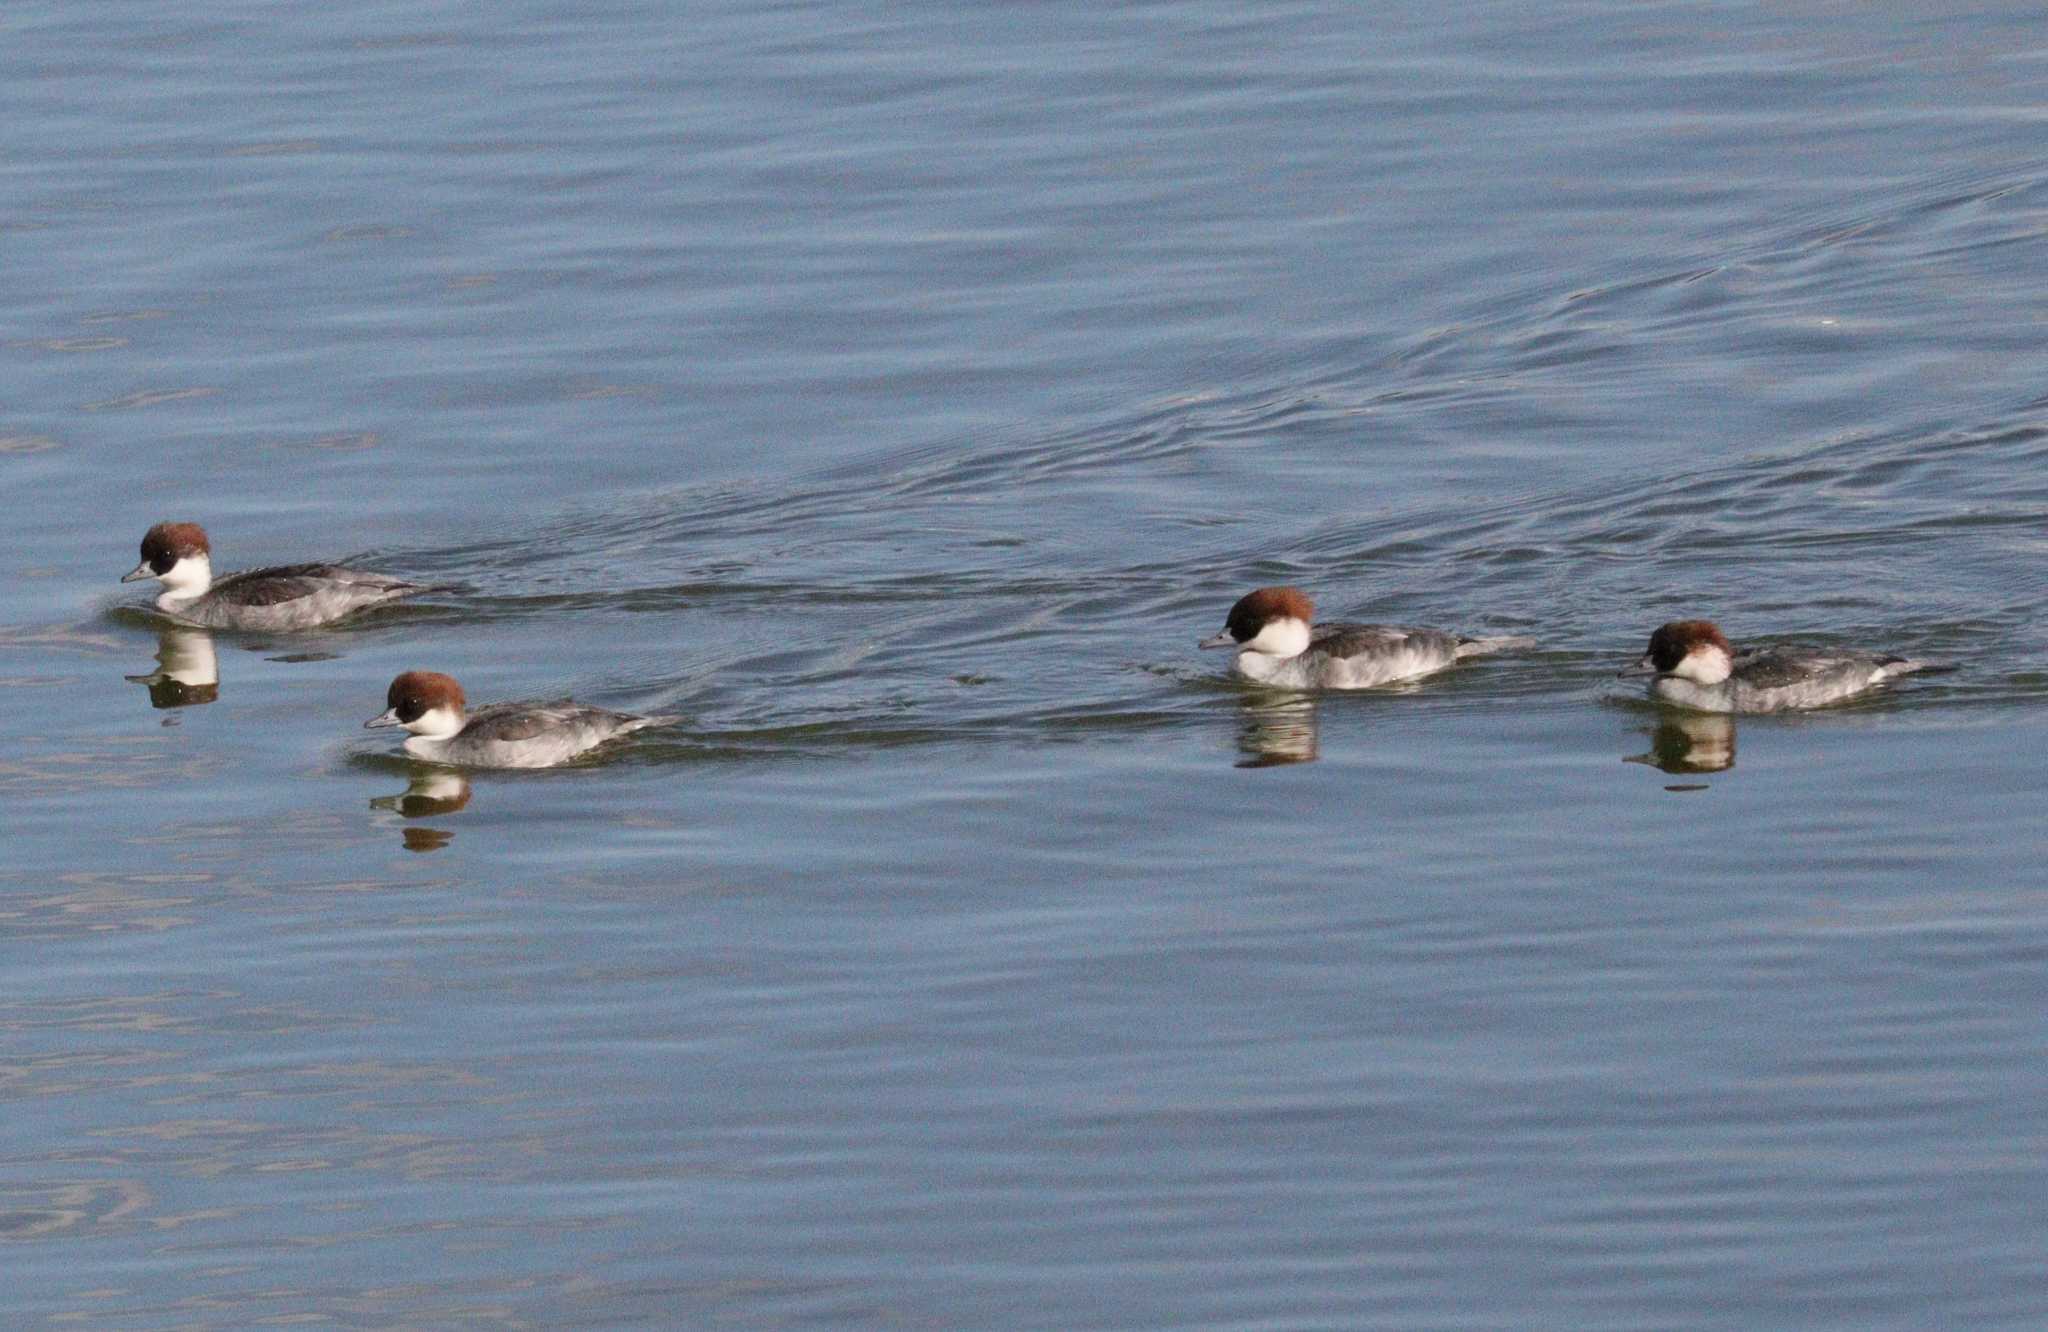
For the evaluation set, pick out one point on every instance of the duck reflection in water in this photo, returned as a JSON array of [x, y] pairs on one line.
[[1693, 742], [1275, 730], [187, 672], [432, 792]]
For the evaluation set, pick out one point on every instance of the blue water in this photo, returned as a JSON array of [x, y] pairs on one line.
[[897, 392]]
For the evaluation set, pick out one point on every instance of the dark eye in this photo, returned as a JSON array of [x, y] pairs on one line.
[[161, 563], [410, 709]]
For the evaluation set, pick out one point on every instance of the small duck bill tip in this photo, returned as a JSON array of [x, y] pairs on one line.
[[1222, 640], [137, 574], [1643, 667], [382, 719]]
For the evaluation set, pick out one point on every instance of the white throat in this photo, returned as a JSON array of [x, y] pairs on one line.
[[1706, 665], [187, 580], [435, 724], [1284, 637]]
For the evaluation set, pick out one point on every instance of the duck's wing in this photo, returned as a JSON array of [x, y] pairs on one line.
[[525, 721], [273, 586], [290, 582], [1777, 667], [516, 721], [1342, 639]]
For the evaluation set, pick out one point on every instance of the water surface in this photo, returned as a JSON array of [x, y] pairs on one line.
[[897, 392]]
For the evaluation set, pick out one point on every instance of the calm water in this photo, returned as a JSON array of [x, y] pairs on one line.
[[897, 391]]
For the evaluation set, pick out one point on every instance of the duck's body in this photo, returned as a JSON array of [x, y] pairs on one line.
[[1696, 667], [284, 597], [525, 735], [499, 735], [1357, 656], [1278, 644], [289, 596]]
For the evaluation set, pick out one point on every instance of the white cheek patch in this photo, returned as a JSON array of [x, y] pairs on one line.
[[189, 577], [1707, 666], [1287, 637], [436, 723]]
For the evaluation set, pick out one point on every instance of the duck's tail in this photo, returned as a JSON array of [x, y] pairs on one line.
[[1481, 647], [425, 589], [1892, 667]]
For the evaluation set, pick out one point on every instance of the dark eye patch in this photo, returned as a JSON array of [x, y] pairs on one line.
[[1666, 651], [156, 553], [410, 708]]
